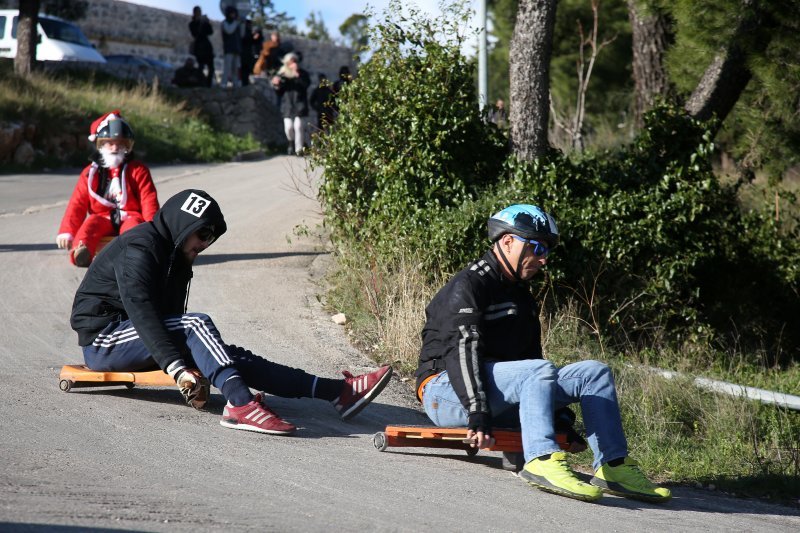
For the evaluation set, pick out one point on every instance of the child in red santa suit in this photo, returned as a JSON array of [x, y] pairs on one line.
[[115, 191]]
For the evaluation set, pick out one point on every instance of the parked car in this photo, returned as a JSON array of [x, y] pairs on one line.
[[139, 61], [127, 59], [59, 40], [158, 63]]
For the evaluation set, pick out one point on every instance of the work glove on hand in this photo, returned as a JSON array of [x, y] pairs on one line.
[[195, 388], [564, 420], [479, 428], [64, 241]]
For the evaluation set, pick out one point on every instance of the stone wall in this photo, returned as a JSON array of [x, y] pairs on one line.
[[249, 109], [116, 27]]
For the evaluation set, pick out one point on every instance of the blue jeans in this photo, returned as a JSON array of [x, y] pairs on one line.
[[527, 393]]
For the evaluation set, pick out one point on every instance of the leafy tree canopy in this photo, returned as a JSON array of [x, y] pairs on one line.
[[264, 14], [316, 27], [763, 131], [355, 31]]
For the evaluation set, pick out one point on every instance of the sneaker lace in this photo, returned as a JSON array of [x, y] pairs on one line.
[[559, 462], [630, 474]]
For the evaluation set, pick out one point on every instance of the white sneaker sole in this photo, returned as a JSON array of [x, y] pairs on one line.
[[256, 429]]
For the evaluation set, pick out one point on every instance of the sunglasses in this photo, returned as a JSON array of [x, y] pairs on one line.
[[539, 249], [206, 235]]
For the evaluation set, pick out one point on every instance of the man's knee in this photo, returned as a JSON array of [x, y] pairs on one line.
[[538, 369], [596, 369]]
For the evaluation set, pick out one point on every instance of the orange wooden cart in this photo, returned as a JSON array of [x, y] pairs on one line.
[[506, 440], [79, 376]]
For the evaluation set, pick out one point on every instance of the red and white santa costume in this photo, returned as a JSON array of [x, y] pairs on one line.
[[129, 187]]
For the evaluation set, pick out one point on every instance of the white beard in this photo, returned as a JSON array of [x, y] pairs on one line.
[[111, 159]]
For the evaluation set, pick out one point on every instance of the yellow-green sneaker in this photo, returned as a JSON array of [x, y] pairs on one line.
[[628, 481], [554, 475]]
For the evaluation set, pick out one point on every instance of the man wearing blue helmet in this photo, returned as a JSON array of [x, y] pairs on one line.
[[481, 365]]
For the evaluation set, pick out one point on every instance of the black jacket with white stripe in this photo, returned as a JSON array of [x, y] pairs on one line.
[[142, 276], [478, 316]]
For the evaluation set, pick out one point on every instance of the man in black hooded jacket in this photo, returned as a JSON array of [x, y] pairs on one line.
[[130, 315]]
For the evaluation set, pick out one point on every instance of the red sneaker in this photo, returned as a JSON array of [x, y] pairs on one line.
[[255, 416], [358, 391]]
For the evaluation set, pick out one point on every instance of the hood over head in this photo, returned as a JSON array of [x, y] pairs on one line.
[[187, 212]]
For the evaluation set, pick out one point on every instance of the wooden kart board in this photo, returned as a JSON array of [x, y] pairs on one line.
[[79, 376], [506, 440]]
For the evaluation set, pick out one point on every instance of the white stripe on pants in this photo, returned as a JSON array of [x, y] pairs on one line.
[[295, 133]]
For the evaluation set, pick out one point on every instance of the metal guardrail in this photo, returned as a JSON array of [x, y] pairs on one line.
[[780, 399]]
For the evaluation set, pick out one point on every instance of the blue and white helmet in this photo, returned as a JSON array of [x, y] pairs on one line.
[[527, 221]]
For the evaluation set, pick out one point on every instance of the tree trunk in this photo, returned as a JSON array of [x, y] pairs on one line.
[[726, 77], [529, 77], [651, 38], [27, 37]]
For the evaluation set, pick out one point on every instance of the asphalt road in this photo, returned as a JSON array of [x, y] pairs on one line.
[[140, 460]]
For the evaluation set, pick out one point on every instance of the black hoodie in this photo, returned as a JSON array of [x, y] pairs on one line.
[[143, 276]]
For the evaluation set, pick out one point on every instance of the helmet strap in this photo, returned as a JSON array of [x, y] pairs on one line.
[[514, 271], [518, 271]]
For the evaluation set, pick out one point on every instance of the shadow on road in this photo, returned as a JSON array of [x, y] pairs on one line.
[[53, 528], [212, 259], [28, 247], [316, 418]]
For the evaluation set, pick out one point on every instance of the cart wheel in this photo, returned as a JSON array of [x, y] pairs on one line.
[[130, 385], [472, 452], [379, 441], [65, 385]]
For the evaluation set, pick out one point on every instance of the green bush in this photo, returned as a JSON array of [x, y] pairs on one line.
[[410, 146], [652, 241]]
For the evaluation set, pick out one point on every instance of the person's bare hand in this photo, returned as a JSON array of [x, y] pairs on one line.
[[480, 439], [276, 80], [63, 242]]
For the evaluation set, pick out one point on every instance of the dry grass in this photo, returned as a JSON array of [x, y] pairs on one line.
[[402, 315]]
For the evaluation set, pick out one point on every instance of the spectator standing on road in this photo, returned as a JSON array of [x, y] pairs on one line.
[[189, 75], [321, 101], [232, 32], [130, 315], [248, 49], [113, 194], [291, 84], [497, 115], [258, 45], [481, 365], [258, 42], [344, 78], [271, 53], [201, 28]]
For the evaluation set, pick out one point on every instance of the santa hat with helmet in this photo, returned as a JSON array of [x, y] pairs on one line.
[[106, 127]]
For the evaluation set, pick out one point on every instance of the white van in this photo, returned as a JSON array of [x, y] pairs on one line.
[[59, 40]]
